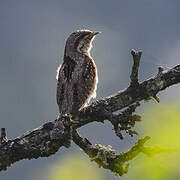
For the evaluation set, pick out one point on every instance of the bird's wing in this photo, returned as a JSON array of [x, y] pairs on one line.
[[64, 85], [84, 88]]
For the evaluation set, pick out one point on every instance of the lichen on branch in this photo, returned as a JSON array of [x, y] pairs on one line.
[[118, 109]]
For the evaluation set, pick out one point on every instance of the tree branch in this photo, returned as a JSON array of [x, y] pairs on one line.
[[48, 138], [101, 109], [107, 158], [134, 74]]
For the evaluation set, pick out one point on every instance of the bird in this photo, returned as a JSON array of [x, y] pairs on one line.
[[77, 76]]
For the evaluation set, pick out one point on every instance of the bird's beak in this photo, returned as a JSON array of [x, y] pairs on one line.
[[95, 33]]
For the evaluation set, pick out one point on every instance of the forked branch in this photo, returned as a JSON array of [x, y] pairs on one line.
[[48, 138]]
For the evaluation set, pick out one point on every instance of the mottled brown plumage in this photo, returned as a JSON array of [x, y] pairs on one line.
[[77, 76]]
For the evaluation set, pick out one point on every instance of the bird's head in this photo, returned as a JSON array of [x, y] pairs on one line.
[[80, 41]]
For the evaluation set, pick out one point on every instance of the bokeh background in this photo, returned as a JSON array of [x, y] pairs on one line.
[[32, 38]]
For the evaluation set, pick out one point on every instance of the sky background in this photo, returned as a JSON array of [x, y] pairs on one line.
[[32, 39]]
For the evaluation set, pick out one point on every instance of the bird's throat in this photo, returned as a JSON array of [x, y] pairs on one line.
[[85, 47]]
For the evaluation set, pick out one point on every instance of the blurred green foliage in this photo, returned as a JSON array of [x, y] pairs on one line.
[[75, 167], [162, 124]]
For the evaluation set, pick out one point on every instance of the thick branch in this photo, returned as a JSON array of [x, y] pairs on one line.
[[40, 142], [101, 109], [48, 138]]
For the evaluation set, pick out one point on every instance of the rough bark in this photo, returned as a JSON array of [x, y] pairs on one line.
[[48, 138]]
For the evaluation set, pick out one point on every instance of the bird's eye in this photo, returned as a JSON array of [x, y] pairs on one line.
[[79, 39]]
